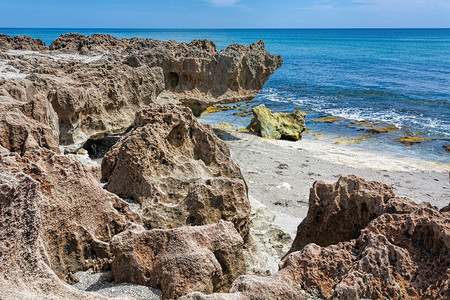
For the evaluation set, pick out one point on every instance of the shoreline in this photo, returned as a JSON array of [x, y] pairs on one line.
[[280, 173]]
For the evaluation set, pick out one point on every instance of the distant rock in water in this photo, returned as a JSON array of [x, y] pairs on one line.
[[178, 170], [277, 125]]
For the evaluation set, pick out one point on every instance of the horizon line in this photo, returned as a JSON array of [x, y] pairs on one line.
[[223, 28]]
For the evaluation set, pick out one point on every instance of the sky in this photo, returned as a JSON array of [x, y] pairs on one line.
[[225, 13]]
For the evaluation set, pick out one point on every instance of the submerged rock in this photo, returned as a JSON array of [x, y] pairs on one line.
[[186, 259], [411, 140], [178, 170], [277, 125]]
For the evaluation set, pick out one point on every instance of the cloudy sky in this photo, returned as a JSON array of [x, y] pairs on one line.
[[225, 13]]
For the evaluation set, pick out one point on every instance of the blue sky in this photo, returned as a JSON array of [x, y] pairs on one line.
[[225, 13]]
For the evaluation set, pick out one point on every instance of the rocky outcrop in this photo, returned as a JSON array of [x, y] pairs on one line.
[[89, 87], [77, 216], [277, 125], [351, 199], [178, 170], [195, 74], [52, 225], [196, 258], [396, 256], [80, 98], [401, 253], [21, 43]]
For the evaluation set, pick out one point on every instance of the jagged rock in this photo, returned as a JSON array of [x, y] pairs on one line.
[[178, 170], [26, 242], [396, 256], [195, 73], [91, 86], [77, 216], [21, 43], [267, 243], [277, 125], [351, 199], [194, 258]]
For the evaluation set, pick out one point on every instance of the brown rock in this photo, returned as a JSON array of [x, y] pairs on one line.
[[195, 258], [401, 254], [396, 256], [178, 170], [21, 43], [25, 257], [77, 216], [195, 73], [351, 199]]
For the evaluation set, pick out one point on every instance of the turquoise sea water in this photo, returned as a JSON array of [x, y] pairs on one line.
[[398, 76]]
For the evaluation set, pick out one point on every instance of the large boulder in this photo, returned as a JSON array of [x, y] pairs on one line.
[[396, 256], [33, 233], [402, 253], [277, 125], [177, 170], [77, 217], [195, 74], [352, 199], [196, 258]]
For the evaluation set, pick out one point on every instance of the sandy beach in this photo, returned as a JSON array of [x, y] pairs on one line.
[[280, 173]]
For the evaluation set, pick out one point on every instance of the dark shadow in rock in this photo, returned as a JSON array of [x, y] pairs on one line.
[[98, 148], [225, 136]]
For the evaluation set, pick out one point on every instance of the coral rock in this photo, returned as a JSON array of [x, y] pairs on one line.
[[195, 73], [178, 170], [186, 259]]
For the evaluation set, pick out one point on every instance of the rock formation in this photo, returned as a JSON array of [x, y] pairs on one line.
[[89, 87], [402, 252], [351, 199], [277, 125], [55, 220], [178, 170], [195, 73], [21, 43], [193, 258]]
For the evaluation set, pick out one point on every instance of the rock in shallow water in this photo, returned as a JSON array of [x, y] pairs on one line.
[[179, 171], [277, 125]]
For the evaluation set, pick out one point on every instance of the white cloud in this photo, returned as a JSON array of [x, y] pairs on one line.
[[223, 2]]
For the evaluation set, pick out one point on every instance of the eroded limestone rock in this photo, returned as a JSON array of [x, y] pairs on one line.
[[186, 259], [178, 170], [195, 73], [34, 237], [277, 125]]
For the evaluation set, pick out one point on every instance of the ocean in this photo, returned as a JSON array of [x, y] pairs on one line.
[[391, 76]]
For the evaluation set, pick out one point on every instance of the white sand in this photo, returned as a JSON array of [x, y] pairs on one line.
[[281, 173]]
